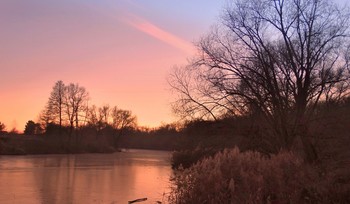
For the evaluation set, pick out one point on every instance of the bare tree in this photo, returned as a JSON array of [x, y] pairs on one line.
[[278, 58], [75, 102], [93, 118], [54, 108], [46, 117], [104, 114], [56, 100], [121, 120], [99, 118], [53, 112]]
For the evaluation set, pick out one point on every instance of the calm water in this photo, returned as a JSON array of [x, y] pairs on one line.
[[85, 178]]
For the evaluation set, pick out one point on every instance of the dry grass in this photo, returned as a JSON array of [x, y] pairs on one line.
[[250, 177]]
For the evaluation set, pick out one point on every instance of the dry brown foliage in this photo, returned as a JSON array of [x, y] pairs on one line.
[[250, 177]]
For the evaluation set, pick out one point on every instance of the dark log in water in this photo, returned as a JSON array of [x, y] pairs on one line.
[[137, 200]]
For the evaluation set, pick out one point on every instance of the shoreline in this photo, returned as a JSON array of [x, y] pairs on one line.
[[20, 145]]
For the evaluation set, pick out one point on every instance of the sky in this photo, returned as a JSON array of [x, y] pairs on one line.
[[121, 51]]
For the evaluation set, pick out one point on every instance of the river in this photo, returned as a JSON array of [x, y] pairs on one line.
[[85, 178]]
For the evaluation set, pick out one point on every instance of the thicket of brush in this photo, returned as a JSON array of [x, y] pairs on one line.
[[232, 176], [207, 177]]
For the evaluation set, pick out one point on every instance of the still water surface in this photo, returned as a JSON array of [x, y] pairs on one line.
[[85, 178]]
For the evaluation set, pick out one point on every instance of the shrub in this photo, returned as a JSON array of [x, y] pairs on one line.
[[186, 158], [250, 177]]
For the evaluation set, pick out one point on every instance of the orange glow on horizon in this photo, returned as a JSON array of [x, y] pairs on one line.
[[120, 51]]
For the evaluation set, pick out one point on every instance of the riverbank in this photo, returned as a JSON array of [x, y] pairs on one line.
[[38, 144]]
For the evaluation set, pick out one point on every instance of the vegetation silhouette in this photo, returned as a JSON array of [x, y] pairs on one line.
[[32, 128], [2, 127], [68, 125], [272, 78], [276, 60], [265, 108]]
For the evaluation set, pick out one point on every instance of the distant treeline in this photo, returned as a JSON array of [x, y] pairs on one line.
[[56, 140], [68, 124], [192, 141]]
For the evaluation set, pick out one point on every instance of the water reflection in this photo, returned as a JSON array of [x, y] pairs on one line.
[[87, 178]]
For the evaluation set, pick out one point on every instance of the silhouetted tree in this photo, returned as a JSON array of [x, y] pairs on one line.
[[55, 103], [54, 110], [67, 105], [32, 128], [2, 127], [75, 102], [46, 117], [14, 131], [121, 120], [104, 113], [277, 59], [98, 118], [93, 117], [52, 129]]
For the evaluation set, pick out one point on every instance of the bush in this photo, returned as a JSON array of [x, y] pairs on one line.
[[250, 177], [186, 158]]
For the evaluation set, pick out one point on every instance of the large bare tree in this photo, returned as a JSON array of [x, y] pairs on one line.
[[54, 109], [75, 101], [275, 57], [55, 103]]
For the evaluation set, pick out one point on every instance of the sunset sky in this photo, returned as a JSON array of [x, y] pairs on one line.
[[121, 51]]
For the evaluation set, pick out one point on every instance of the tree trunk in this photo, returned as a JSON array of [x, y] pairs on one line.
[[303, 128], [307, 146], [60, 115], [309, 150]]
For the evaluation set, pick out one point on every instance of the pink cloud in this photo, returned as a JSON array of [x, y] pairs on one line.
[[158, 33]]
